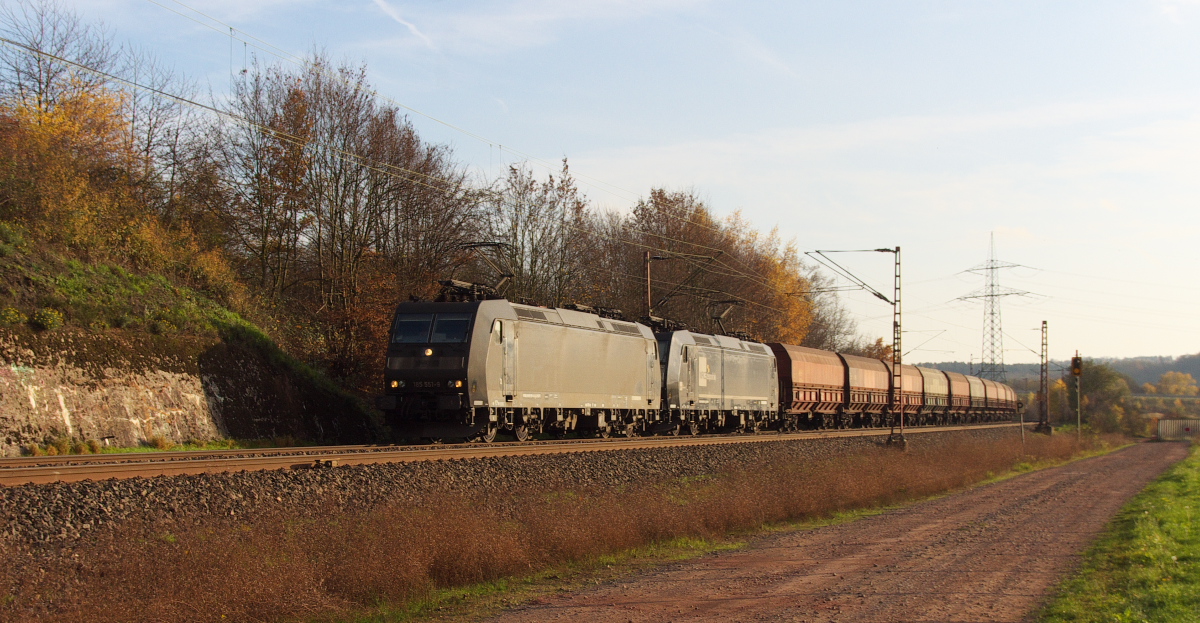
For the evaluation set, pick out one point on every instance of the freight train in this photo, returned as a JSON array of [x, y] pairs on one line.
[[470, 369]]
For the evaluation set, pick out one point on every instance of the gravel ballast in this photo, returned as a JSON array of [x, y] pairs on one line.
[[60, 514]]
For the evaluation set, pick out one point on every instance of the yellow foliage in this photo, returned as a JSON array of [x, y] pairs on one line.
[[1177, 384], [64, 167]]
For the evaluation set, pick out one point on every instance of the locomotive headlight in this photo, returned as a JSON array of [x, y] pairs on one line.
[[428, 352], [395, 384], [458, 383]]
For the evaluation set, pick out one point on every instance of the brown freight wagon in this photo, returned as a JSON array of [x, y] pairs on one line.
[[812, 385]]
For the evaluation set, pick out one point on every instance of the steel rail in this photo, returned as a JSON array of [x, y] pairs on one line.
[[44, 474], [180, 455]]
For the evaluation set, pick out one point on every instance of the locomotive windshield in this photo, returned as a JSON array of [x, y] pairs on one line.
[[428, 328], [451, 328], [411, 328]]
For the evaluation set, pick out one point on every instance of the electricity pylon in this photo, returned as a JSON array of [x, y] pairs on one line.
[[991, 365]]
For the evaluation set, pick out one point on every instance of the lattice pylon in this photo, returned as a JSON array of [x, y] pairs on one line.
[[991, 365]]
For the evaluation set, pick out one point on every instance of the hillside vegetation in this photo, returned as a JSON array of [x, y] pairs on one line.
[[105, 325]]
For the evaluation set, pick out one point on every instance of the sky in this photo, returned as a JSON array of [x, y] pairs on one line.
[[1067, 132]]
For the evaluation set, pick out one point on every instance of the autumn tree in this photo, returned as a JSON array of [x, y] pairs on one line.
[[1104, 393], [1176, 384], [338, 208], [265, 160]]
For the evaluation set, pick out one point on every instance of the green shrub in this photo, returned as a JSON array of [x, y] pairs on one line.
[[159, 442], [163, 327], [46, 319], [11, 235], [11, 316], [63, 444]]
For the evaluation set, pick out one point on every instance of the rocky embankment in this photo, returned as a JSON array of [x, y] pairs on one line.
[[63, 513], [123, 388]]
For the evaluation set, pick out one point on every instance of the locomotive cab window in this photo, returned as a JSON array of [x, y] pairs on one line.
[[411, 328], [451, 328]]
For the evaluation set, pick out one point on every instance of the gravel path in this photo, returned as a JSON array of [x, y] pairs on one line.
[[989, 554]]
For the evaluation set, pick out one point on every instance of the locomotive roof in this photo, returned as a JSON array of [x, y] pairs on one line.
[[719, 341]]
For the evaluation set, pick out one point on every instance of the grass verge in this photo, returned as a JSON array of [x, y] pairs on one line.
[[1146, 567]]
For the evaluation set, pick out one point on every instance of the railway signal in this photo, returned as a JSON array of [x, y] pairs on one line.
[[1077, 372]]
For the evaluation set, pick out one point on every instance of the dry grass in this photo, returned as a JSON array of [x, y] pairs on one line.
[[286, 568]]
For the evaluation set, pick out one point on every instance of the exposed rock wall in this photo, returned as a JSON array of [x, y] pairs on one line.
[[130, 387], [122, 408]]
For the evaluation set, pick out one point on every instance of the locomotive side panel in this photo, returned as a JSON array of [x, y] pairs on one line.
[[706, 376], [750, 380], [563, 366]]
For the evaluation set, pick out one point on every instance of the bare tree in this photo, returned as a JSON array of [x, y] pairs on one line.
[[542, 225], [36, 81], [265, 159]]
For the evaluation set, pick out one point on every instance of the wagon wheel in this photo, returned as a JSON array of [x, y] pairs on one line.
[[603, 432], [489, 434], [521, 433], [675, 430], [630, 430], [693, 428]]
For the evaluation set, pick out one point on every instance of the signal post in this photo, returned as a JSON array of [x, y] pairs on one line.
[[1077, 372]]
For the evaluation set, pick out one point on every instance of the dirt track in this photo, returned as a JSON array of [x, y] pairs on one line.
[[988, 554]]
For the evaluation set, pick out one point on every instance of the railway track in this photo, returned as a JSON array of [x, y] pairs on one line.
[[42, 470]]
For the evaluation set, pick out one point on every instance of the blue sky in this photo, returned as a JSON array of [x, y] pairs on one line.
[[1069, 129]]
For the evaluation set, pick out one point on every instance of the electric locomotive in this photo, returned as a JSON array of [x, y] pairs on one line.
[[472, 369]]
